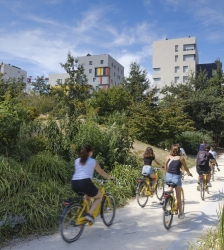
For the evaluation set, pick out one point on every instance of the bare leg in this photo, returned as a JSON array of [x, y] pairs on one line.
[[178, 196], [97, 200], [209, 177], [153, 176]]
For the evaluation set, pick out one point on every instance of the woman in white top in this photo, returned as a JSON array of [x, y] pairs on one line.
[[82, 178]]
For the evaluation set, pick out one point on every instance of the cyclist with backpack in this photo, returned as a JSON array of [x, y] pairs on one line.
[[202, 164]]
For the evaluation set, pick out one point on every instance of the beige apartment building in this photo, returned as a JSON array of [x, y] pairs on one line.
[[173, 60], [11, 71]]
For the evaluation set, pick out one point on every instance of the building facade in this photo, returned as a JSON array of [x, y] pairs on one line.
[[54, 79], [10, 71], [173, 60], [102, 71]]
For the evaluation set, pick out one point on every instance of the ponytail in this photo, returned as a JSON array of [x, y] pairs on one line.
[[84, 154]]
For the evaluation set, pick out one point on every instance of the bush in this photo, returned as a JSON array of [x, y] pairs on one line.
[[191, 141]]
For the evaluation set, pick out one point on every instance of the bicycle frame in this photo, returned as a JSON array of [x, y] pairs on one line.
[[85, 208], [148, 180]]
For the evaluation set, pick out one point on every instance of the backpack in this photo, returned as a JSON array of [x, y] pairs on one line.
[[202, 158]]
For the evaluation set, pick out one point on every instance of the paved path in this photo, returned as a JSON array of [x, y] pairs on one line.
[[142, 228]]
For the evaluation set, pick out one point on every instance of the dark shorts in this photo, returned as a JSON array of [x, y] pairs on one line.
[[205, 169], [85, 186]]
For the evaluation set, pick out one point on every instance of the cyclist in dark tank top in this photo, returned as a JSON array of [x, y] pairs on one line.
[[149, 157], [173, 165]]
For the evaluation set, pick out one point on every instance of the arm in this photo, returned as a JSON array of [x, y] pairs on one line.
[[166, 164], [101, 172], [158, 163], [185, 166]]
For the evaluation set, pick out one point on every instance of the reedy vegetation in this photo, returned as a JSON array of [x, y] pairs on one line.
[[43, 131]]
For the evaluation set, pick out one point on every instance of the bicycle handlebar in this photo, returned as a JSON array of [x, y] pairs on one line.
[[100, 181]]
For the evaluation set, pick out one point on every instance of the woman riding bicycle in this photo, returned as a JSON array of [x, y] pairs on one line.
[[173, 165], [82, 178], [149, 157]]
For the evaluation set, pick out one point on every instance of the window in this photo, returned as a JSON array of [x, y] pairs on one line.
[[97, 87], [59, 80], [185, 69], [176, 48], [177, 69], [188, 47], [90, 63], [94, 79], [112, 65], [101, 61], [90, 70], [189, 57], [101, 71], [184, 79], [156, 70], [114, 74], [121, 71], [156, 80], [112, 81], [176, 58], [176, 79], [118, 69]]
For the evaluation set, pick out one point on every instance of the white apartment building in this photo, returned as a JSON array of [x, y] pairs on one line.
[[10, 71], [102, 71], [173, 60]]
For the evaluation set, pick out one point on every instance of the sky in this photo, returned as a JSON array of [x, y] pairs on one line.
[[37, 35]]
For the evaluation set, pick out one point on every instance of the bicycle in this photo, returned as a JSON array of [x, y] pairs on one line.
[[203, 184], [72, 220], [144, 188], [170, 205]]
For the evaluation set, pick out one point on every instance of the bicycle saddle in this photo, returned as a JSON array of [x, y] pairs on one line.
[[171, 184]]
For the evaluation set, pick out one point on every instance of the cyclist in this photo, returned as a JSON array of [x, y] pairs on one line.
[[182, 151], [215, 155], [82, 178], [173, 165], [205, 167], [201, 146], [149, 157]]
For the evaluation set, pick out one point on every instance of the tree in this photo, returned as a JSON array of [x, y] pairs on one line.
[[75, 88], [137, 82], [107, 102], [40, 86]]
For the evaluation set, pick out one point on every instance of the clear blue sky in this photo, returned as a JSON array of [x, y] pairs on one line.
[[36, 35]]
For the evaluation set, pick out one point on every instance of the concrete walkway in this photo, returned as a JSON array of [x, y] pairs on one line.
[[142, 228]]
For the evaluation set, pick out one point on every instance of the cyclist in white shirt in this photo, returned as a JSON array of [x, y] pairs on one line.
[[82, 178], [215, 155]]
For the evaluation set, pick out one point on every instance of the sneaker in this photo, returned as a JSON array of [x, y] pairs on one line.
[[218, 169], [181, 216], [198, 188], [209, 184], [162, 202], [89, 218]]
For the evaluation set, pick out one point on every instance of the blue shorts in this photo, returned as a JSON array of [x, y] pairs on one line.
[[175, 178], [147, 170]]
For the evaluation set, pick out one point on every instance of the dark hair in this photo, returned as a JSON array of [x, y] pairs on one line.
[[179, 143], [84, 154], [175, 150], [206, 148], [148, 153]]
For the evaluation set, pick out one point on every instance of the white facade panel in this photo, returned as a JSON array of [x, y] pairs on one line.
[[11, 71]]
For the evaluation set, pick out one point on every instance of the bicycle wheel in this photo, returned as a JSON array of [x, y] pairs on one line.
[[202, 189], [68, 229], [160, 189], [167, 213], [108, 208], [182, 199], [140, 194]]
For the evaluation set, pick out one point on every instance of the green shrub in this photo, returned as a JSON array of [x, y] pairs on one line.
[[191, 141], [48, 167]]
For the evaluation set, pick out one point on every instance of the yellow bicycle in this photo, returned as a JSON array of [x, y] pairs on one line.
[[72, 220], [170, 206], [144, 188]]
